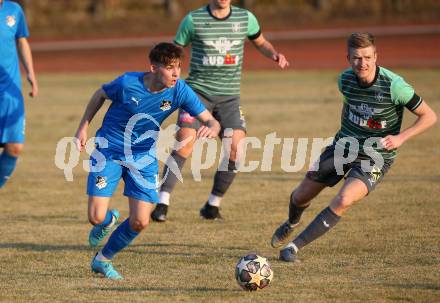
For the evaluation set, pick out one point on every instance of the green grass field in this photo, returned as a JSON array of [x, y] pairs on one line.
[[386, 249]]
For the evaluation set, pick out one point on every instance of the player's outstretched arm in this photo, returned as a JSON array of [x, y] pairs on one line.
[[25, 54], [92, 108], [426, 118], [267, 49], [210, 127]]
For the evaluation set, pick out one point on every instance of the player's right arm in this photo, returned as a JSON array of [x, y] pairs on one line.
[[185, 32], [92, 108]]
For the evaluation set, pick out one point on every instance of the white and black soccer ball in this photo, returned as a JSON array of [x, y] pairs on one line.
[[253, 272]]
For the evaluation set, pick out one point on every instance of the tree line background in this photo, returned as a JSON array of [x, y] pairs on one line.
[[92, 18]]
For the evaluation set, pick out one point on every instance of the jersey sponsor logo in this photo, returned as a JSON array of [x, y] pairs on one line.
[[136, 100], [223, 45], [165, 105], [186, 117], [362, 115], [10, 21], [221, 60], [101, 182]]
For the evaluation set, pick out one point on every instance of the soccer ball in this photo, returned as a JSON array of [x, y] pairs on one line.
[[253, 272]]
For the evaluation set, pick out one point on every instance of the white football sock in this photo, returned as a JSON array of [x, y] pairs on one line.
[[164, 197], [290, 244], [214, 200]]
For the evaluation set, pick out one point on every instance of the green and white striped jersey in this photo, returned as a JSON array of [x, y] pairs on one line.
[[376, 110], [216, 48]]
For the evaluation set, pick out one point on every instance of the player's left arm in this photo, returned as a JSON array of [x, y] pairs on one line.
[[25, 54], [265, 47], [268, 50], [426, 118], [210, 127]]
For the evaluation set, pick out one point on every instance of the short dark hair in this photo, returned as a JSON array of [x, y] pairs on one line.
[[360, 40], [165, 53]]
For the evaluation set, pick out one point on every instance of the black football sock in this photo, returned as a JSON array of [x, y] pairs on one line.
[[318, 227], [295, 212], [223, 179], [171, 180]]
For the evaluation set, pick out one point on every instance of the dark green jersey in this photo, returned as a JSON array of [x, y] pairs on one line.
[[216, 48], [376, 110]]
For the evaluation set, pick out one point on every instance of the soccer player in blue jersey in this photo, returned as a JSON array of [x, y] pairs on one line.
[[374, 101], [125, 147], [217, 33], [13, 45]]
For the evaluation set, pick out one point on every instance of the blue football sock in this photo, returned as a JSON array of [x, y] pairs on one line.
[[7, 165], [119, 239]]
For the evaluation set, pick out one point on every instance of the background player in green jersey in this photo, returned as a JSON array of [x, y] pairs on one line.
[[217, 33], [374, 100]]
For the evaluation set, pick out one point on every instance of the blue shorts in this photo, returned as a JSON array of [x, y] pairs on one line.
[[108, 168], [12, 121]]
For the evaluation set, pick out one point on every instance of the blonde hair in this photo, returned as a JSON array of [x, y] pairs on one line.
[[360, 40]]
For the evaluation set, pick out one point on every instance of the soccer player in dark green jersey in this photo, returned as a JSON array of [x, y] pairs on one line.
[[217, 33], [374, 100]]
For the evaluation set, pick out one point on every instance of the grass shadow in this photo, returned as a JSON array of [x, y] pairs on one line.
[[169, 290], [43, 247], [423, 286]]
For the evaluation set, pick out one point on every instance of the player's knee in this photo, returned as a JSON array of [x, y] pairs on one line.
[[14, 149], [236, 153], [300, 197], [139, 225], [95, 219], [342, 202], [187, 135], [186, 150]]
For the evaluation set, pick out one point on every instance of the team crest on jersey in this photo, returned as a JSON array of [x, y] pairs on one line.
[[101, 182], [165, 105], [10, 21], [236, 27], [379, 96]]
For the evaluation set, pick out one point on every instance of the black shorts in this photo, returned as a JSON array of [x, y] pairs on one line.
[[226, 109], [325, 171]]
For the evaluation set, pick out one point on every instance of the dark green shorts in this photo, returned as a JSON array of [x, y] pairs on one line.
[[226, 109], [324, 170]]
